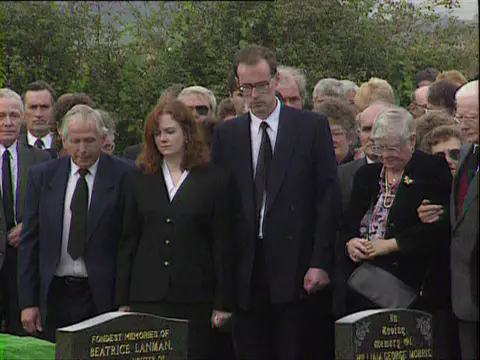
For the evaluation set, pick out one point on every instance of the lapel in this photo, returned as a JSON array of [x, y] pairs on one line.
[[402, 200], [102, 187], [243, 142], [26, 158], [464, 151], [284, 145], [56, 197], [184, 189]]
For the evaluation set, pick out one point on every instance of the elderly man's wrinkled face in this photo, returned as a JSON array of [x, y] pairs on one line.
[[290, 94], [467, 115]]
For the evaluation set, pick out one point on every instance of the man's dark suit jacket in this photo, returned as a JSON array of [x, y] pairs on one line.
[[302, 196], [28, 156], [41, 238], [422, 246], [464, 246], [346, 173], [177, 251], [53, 152], [132, 152]]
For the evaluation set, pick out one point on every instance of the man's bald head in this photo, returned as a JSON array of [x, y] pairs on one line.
[[366, 121], [419, 101], [467, 110]]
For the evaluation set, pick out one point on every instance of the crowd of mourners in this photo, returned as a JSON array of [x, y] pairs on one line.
[[258, 221]]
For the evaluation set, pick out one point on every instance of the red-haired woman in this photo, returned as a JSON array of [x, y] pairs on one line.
[[174, 256]]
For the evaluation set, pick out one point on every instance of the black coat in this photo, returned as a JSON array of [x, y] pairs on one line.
[[302, 201], [180, 251], [422, 246]]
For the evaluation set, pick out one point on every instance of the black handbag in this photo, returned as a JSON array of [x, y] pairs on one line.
[[381, 287]]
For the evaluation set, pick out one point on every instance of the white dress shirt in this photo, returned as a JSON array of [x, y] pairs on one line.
[[14, 170], [47, 140], [171, 187], [256, 136], [67, 266]]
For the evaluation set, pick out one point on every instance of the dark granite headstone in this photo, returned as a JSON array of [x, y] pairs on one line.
[[124, 335], [384, 334]]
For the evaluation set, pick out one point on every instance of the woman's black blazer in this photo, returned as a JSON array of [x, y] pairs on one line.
[[179, 251], [422, 246]]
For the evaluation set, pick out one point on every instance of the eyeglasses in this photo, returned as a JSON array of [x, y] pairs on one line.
[[201, 110], [260, 87], [465, 118], [380, 149], [453, 154]]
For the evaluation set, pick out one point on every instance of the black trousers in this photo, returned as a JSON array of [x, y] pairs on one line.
[[69, 301], [9, 310], [468, 332], [201, 342], [258, 333]]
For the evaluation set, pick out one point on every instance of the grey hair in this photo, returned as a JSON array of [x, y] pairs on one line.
[[83, 113], [7, 93], [348, 86], [329, 87], [200, 90], [288, 74], [394, 121]]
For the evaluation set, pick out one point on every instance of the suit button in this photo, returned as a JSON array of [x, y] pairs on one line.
[[167, 242], [166, 263], [168, 220], [395, 264], [290, 237], [392, 225], [292, 208]]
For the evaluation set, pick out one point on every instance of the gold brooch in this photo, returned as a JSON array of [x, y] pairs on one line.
[[407, 180]]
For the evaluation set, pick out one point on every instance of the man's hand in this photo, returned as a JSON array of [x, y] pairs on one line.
[[357, 249], [124, 308], [429, 213], [379, 247], [315, 279], [32, 320], [219, 318], [14, 235]]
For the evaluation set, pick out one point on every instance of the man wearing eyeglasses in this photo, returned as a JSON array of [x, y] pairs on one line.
[[418, 105], [283, 165]]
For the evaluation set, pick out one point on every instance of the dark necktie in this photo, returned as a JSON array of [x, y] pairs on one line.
[[78, 224], [262, 170], [39, 144], [7, 190]]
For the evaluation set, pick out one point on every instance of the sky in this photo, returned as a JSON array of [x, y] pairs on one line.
[[466, 10]]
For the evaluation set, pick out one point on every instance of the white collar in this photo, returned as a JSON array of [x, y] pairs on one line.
[[12, 148], [271, 120], [31, 139], [92, 169]]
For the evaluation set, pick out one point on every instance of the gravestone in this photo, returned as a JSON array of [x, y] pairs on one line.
[[124, 335], [384, 334]]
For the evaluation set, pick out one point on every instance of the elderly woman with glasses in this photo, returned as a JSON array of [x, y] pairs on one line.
[[382, 228]]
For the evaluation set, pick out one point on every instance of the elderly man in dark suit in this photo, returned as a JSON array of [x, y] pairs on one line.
[[17, 158], [464, 223], [283, 162], [67, 251]]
